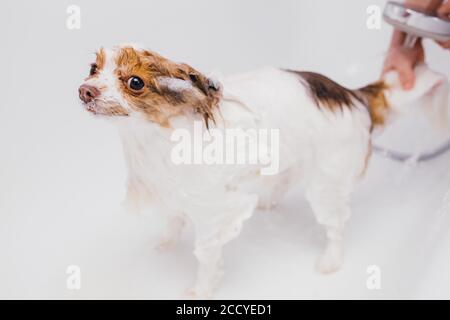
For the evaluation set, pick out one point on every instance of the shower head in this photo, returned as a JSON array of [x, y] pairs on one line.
[[416, 24]]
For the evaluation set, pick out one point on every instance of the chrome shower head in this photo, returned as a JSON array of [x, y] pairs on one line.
[[416, 24]]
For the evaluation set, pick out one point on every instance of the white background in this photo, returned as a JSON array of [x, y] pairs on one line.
[[62, 172]]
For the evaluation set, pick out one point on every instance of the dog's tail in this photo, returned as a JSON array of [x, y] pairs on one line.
[[374, 96]]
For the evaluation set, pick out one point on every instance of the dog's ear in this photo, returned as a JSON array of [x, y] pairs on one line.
[[199, 91], [179, 83], [207, 86], [171, 88], [164, 68], [211, 89]]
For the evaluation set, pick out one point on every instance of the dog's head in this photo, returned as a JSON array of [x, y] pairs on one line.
[[128, 81]]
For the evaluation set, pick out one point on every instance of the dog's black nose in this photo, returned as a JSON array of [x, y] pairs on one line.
[[88, 93]]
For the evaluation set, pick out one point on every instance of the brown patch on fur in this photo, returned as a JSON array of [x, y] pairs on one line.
[[100, 58], [118, 111], [98, 64], [367, 159], [326, 92], [376, 102], [158, 102]]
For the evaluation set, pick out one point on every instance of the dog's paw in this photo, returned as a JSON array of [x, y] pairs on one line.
[[165, 245], [330, 261], [130, 205], [191, 294], [326, 264], [195, 294], [267, 205]]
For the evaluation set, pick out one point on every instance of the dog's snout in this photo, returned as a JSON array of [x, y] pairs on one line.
[[88, 93]]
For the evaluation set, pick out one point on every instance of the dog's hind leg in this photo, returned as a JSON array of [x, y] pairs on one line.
[[209, 271], [137, 197], [172, 232], [274, 188], [329, 200]]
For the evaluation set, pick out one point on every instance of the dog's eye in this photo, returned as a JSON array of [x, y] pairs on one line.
[[136, 83], [93, 69]]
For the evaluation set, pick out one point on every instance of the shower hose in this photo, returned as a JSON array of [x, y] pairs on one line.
[[420, 157]]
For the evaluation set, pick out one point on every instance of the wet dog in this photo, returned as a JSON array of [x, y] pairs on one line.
[[323, 139]]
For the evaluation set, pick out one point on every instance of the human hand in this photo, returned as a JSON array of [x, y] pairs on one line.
[[444, 12], [404, 60]]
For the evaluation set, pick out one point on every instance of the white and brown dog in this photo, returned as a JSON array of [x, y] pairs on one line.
[[324, 141]]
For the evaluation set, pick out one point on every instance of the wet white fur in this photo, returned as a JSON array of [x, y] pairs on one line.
[[324, 150], [175, 84]]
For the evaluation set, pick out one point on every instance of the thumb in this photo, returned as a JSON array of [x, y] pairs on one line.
[[444, 10], [407, 76], [386, 69]]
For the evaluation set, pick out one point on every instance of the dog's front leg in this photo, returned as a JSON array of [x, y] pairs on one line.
[[209, 271], [330, 203], [216, 226], [172, 232], [137, 197]]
